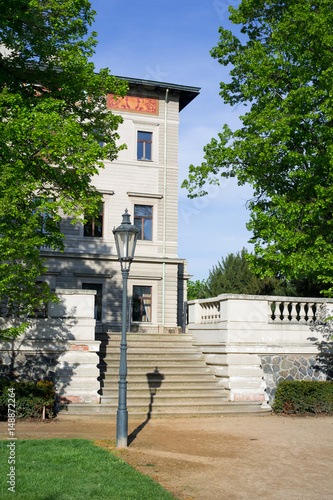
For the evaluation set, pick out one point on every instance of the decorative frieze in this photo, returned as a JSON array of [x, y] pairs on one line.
[[134, 104]]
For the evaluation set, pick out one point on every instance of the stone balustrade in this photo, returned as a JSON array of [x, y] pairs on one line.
[[254, 342], [301, 311], [279, 309], [210, 312]]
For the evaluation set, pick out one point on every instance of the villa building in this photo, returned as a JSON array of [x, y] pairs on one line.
[[236, 348], [144, 179]]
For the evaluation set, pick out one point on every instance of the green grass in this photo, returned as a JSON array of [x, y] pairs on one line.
[[73, 469]]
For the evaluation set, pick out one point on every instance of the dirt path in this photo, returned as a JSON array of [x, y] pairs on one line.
[[224, 458]]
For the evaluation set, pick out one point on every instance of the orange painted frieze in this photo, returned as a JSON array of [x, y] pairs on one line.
[[133, 104]]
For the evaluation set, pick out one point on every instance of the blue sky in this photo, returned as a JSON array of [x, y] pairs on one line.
[[170, 41]]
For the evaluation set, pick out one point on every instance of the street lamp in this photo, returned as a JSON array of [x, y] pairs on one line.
[[125, 237]]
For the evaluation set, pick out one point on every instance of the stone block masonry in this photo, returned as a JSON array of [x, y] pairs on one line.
[[60, 348], [279, 368]]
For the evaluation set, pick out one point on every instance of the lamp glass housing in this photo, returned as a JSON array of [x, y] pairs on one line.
[[125, 237]]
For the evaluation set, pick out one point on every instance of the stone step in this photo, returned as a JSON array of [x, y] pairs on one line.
[[160, 393], [171, 377], [163, 368], [143, 349], [147, 337], [166, 400], [166, 356], [166, 340], [188, 387], [158, 407], [201, 385], [110, 410], [152, 341]]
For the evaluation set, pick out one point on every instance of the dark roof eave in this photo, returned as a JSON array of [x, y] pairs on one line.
[[186, 93]]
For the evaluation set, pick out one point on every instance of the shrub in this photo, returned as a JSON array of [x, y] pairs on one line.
[[300, 396], [30, 398]]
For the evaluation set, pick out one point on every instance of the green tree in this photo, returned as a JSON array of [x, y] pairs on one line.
[[233, 275], [284, 72], [196, 289], [53, 117]]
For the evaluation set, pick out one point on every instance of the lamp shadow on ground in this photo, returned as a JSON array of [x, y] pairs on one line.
[[154, 380]]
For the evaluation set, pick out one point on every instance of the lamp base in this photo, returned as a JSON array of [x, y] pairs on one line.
[[122, 428]]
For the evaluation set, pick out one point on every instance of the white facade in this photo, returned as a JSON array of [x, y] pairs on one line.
[[148, 187]]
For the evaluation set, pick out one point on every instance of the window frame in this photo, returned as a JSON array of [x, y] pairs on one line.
[[93, 225], [143, 218], [43, 214], [142, 305], [144, 142]]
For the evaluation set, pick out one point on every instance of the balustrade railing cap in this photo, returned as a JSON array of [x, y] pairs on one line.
[[279, 298]]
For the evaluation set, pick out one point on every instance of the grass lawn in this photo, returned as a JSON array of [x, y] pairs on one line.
[[61, 469]]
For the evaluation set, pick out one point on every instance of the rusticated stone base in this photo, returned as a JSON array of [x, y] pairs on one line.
[[23, 365], [294, 367]]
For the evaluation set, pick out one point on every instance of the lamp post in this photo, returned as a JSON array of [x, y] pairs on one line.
[[125, 237]]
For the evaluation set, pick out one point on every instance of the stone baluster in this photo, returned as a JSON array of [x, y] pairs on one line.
[[293, 312], [218, 312], [209, 312], [206, 313], [202, 319], [302, 313], [281, 311], [212, 313], [311, 312], [272, 311]]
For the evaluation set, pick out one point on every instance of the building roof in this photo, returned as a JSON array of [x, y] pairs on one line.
[[186, 93]]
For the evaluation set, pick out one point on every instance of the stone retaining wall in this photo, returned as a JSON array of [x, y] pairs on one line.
[[61, 348], [279, 368], [254, 342], [29, 366]]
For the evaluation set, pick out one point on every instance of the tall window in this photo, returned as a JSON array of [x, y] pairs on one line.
[[44, 216], [144, 146], [98, 298], [45, 219], [94, 225], [141, 303], [143, 220]]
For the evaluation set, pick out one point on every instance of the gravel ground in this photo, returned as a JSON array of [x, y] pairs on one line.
[[247, 457]]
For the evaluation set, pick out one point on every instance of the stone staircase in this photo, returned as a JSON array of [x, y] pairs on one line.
[[167, 376]]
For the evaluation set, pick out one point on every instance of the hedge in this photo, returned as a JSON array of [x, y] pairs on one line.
[[30, 398], [300, 396]]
